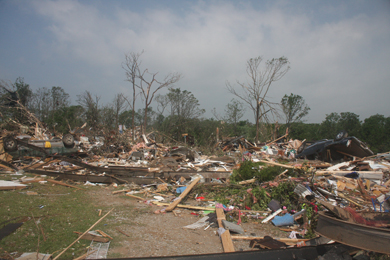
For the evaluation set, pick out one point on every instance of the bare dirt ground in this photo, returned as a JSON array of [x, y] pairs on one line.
[[151, 234]]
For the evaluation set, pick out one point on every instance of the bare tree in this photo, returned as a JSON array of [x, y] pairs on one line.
[[146, 87], [91, 106], [254, 92], [144, 81], [234, 112], [118, 105], [131, 67]]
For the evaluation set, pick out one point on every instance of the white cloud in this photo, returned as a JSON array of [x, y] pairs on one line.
[[338, 65]]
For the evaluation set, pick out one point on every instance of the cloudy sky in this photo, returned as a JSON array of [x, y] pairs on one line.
[[338, 50]]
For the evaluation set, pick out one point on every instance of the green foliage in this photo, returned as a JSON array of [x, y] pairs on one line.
[[294, 109], [376, 133], [284, 193], [312, 219], [335, 122], [23, 90], [329, 127], [262, 173], [303, 131], [247, 170], [184, 110]]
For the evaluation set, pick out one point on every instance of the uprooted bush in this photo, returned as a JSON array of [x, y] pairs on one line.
[[259, 170], [254, 196]]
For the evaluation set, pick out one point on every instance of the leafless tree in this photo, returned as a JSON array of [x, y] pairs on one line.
[[91, 106], [145, 81], [132, 68], [118, 106], [254, 92], [45, 102]]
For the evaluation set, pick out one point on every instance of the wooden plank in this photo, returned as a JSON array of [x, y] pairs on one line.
[[362, 174], [122, 232], [27, 181], [3, 156], [227, 242], [63, 184], [278, 139], [182, 195], [247, 181], [92, 237], [183, 206], [278, 164], [39, 165], [363, 190], [119, 191], [85, 255], [104, 234], [284, 240], [10, 185]]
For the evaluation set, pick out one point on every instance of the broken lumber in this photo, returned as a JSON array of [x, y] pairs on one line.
[[227, 242], [363, 190], [119, 191], [247, 181], [63, 184], [11, 185], [120, 231], [278, 164], [277, 139], [362, 174], [182, 206], [92, 237], [271, 216], [103, 234], [182, 195], [284, 240], [85, 255]]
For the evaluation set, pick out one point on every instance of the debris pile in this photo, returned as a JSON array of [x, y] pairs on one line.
[[332, 191]]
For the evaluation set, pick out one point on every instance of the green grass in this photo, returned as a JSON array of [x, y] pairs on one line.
[[49, 219]]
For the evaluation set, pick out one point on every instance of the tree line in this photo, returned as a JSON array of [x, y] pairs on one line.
[[178, 116]]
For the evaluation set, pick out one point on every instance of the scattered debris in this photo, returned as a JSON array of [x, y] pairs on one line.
[[318, 192]]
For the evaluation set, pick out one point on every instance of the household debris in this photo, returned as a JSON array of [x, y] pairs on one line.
[[312, 199]]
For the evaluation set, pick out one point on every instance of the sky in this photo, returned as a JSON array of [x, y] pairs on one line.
[[338, 51]]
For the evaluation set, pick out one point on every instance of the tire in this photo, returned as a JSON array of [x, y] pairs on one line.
[[68, 140], [341, 135], [10, 144]]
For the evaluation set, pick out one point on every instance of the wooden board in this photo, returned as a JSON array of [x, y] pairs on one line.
[[11, 185], [227, 241], [182, 195], [92, 237]]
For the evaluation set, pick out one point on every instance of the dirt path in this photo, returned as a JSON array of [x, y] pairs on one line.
[[162, 234]]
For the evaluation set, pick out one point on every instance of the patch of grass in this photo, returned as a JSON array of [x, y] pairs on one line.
[[49, 219]]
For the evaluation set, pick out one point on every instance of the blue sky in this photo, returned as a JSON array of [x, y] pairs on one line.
[[338, 50]]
